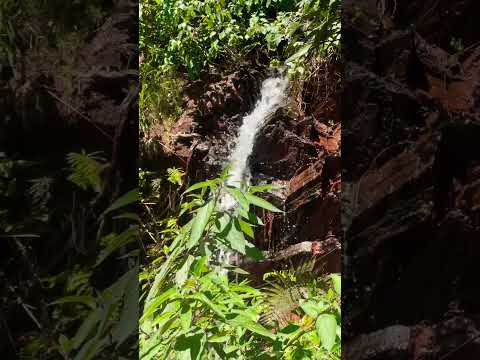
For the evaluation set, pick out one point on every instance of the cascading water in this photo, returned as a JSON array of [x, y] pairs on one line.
[[273, 95]]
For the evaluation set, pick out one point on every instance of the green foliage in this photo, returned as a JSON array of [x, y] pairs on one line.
[[180, 39], [197, 307], [86, 170], [175, 176], [91, 322]]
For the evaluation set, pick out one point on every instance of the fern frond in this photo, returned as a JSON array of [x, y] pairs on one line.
[[286, 290], [39, 191], [86, 170]]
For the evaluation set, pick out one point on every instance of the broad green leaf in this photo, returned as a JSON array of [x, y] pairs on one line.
[[254, 219], [65, 345], [255, 200], [327, 330], [246, 228], [312, 308], [254, 253], [190, 347], [254, 327], [200, 221], [128, 323], [300, 53], [199, 267], [86, 328], [186, 318], [290, 328], [91, 348], [218, 339], [182, 274], [235, 237]]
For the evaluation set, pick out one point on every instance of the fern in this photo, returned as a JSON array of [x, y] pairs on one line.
[[39, 191], [86, 170], [286, 290]]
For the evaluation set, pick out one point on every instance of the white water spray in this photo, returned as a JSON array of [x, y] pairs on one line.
[[272, 97]]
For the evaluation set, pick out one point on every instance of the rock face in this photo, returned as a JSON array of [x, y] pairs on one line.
[[201, 138], [298, 150], [411, 160]]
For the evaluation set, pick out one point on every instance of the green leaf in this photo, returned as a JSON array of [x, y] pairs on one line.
[[128, 216], [186, 318], [204, 184], [254, 252], [300, 53], [190, 347], [199, 267], [200, 221], [182, 274], [126, 237], [215, 308], [255, 200], [128, 323], [262, 188], [124, 200], [65, 345], [246, 228], [327, 330], [337, 283], [254, 327], [157, 302], [238, 195], [86, 328], [290, 328], [235, 237], [312, 308]]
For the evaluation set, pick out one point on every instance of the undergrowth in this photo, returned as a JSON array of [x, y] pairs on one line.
[[195, 306]]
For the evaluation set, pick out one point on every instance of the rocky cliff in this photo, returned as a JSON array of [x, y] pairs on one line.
[[298, 148], [411, 166]]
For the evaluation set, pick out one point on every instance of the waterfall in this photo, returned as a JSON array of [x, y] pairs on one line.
[[273, 95]]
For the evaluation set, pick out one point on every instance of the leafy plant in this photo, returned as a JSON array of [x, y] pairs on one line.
[[197, 307], [86, 170]]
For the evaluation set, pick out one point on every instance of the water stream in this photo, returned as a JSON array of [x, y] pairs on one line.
[[273, 95]]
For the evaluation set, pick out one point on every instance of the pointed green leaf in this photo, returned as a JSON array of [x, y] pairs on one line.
[[255, 200], [238, 195], [200, 221], [182, 274], [204, 184], [246, 228]]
